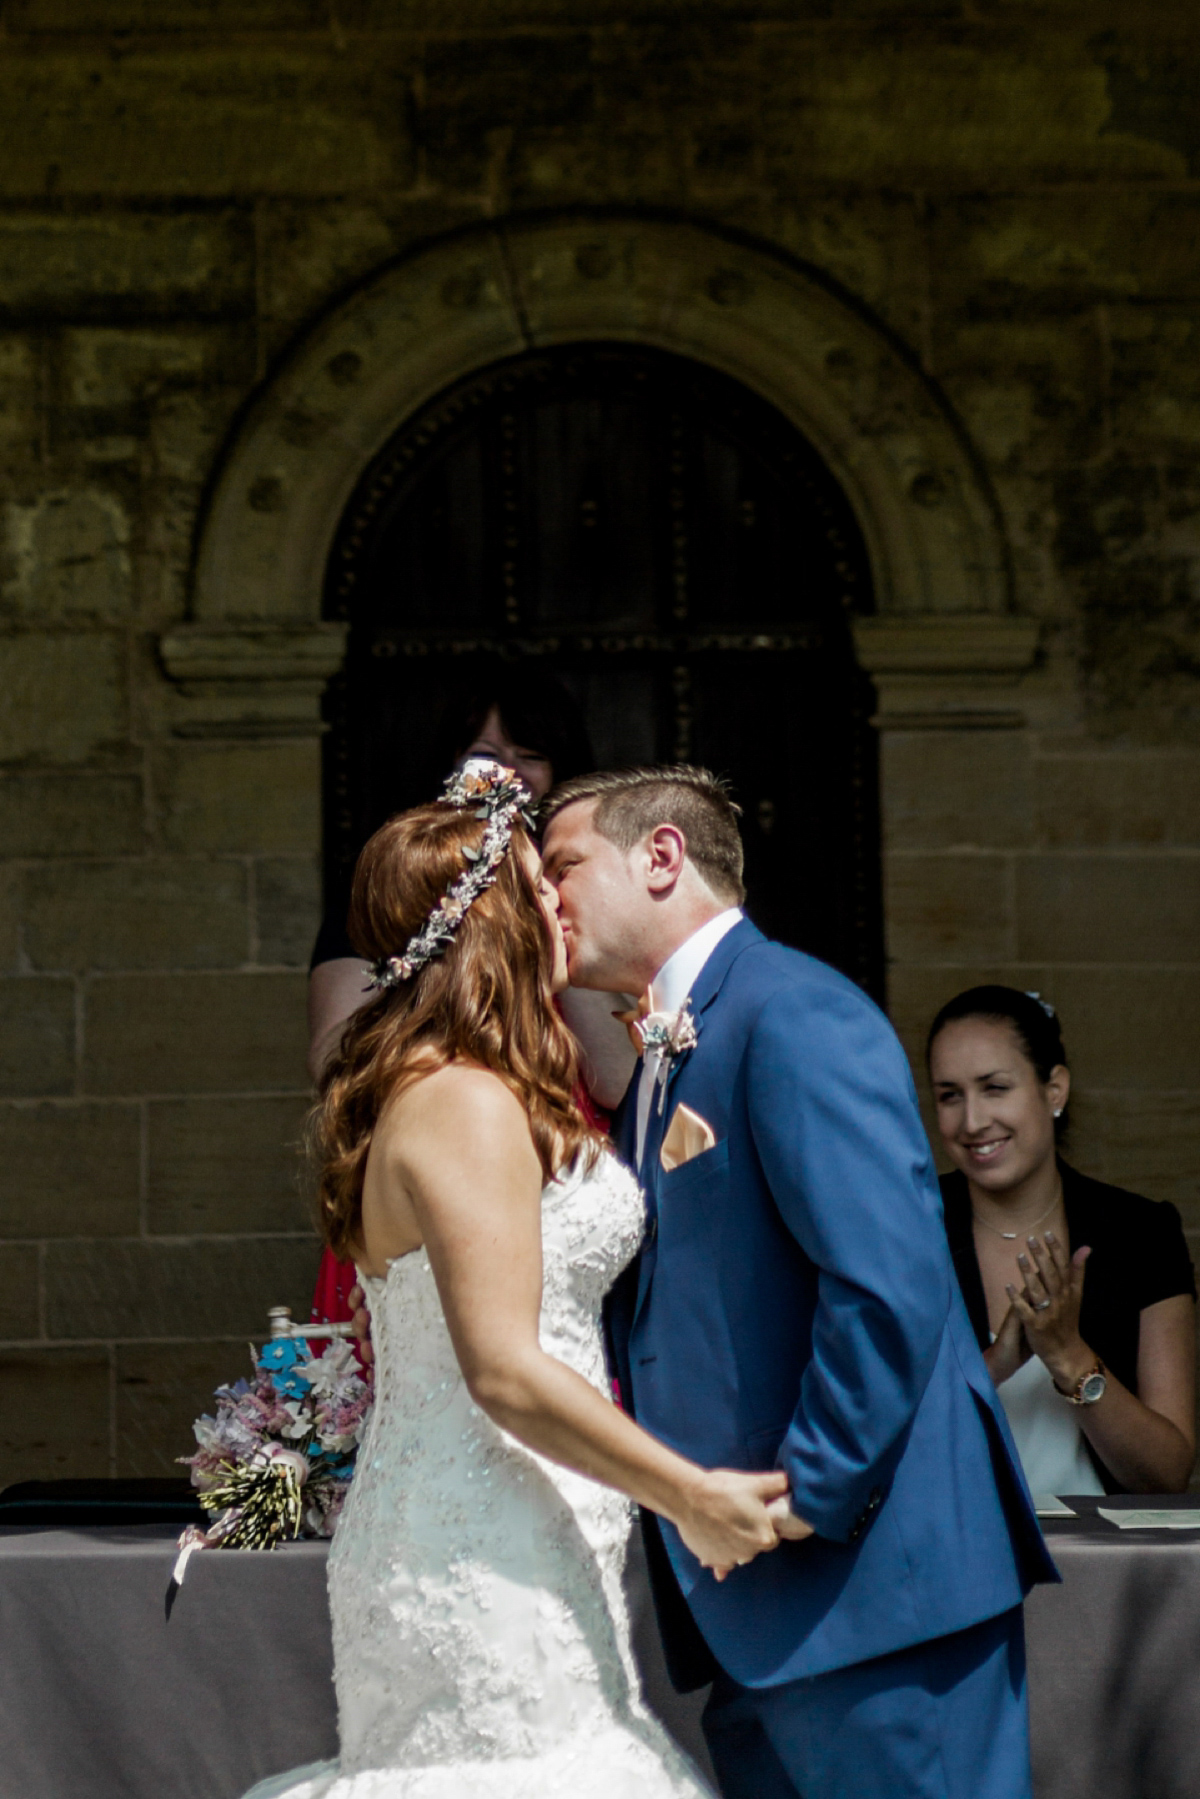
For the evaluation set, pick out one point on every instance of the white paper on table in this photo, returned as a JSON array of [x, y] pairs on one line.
[[1047, 1505], [1150, 1519]]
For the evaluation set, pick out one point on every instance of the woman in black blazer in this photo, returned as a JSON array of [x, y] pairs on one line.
[[1082, 1295]]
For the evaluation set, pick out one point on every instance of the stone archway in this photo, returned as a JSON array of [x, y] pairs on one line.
[[255, 654]]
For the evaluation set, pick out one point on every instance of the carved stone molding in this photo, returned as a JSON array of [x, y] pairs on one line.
[[466, 301], [947, 673], [250, 680]]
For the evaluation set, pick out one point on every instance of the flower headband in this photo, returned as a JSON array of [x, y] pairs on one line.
[[498, 796]]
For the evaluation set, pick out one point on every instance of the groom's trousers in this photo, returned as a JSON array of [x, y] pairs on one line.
[[943, 1720]]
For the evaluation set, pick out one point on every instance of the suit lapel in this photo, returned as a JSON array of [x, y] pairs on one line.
[[625, 1123]]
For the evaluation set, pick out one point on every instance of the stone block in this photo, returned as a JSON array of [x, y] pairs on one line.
[[1155, 379], [37, 1036], [916, 992], [1108, 800], [952, 789], [209, 122], [196, 1033], [202, 1289], [1031, 389], [10, 919], [20, 397], [162, 1388], [948, 908], [18, 1291], [71, 814], [1014, 254], [191, 16], [115, 369], [903, 111], [54, 1414], [287, 904], [1130, 1029], [63, 696], [136, 914], [1086, 908], [70, 1171], [61, 265], [257, 798], [1148, 1142], [226, 1165], [69, 557], [472, 106]]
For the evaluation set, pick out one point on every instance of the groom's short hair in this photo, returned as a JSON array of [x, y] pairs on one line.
[[632, 802]]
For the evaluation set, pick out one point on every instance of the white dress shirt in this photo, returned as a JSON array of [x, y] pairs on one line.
[[670, 987]]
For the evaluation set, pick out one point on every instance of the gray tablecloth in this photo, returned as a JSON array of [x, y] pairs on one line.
[[102, 1698]]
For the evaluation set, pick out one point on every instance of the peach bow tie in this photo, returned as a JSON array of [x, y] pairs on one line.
[[633, 1021]]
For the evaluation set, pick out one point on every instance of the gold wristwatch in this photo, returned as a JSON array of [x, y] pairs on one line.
[[1089, 1387]]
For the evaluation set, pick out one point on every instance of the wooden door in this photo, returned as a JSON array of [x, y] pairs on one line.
[[678, 553]]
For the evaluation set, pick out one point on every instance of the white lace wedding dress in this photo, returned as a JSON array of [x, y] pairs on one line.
[[481, 1643]]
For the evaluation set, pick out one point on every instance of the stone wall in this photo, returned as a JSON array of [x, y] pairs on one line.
[[186, 187]]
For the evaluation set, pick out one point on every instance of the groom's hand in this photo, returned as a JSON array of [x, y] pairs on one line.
[[725, 1523], [360, 1323], [788, 1527]]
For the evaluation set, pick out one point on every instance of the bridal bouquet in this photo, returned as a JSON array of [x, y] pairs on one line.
[[276, 1460]]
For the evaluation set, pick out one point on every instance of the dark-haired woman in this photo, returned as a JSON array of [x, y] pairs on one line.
[[481, 1641], [526, 719], [1082, 1295]]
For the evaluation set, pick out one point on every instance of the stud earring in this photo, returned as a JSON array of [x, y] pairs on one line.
[[1058, 1111]]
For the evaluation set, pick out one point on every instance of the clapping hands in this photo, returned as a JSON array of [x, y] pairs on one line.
[[1043, 1315]]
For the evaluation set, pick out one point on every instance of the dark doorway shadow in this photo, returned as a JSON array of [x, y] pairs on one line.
[[681, 557]]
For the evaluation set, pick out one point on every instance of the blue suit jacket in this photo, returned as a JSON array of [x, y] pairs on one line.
[[795, 1306]]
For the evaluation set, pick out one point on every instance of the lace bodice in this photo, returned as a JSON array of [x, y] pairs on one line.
[[481, 1643]]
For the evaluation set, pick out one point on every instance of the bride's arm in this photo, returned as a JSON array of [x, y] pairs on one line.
[[458, 1154]]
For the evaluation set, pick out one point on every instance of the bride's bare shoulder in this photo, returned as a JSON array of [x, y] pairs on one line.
[[459, 1100]]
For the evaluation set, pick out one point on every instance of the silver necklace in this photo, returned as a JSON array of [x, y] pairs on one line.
[[1011, 1236]]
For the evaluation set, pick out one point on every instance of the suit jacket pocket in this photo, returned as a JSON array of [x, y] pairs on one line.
[[696, 1171]]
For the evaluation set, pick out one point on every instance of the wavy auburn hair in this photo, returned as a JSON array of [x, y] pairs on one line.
[[486, 1000]]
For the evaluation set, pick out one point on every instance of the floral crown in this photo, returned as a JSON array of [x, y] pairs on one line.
[[498, 796]]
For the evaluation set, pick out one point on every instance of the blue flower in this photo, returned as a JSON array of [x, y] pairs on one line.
[[282, 1359]]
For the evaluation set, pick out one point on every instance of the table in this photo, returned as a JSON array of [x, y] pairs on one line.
[[1114, 1659], [102, 1698]]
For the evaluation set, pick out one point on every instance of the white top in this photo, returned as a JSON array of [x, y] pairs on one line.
[[670, 987], [1045, 1427]]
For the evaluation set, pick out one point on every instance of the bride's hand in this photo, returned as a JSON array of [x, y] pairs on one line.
[[727, 1523]]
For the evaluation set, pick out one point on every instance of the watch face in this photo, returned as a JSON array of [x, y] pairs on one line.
[[1093, 1389]]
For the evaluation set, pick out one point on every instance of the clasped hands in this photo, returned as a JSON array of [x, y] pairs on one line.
[[734, 1517]]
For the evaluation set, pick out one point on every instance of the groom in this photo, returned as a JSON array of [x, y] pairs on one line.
[[794, 1306]]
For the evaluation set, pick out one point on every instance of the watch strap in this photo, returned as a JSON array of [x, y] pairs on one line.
[[1075, 1396]]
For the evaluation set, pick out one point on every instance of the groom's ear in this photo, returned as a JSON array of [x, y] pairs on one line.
[[666, 850]]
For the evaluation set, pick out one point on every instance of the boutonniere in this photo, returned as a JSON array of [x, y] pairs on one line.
[[672, 1035]]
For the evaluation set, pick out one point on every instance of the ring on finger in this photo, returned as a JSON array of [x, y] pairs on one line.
[[1041, 1305]]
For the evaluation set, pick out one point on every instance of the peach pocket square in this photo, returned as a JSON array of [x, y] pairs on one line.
[[689, 1135]]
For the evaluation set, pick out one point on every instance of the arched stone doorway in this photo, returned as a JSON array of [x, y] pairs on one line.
[[943, 647], [678, 553]]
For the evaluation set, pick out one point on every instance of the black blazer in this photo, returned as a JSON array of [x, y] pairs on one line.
[[1139, 1256]]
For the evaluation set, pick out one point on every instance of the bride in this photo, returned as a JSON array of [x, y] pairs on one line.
[[481, 1643]]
